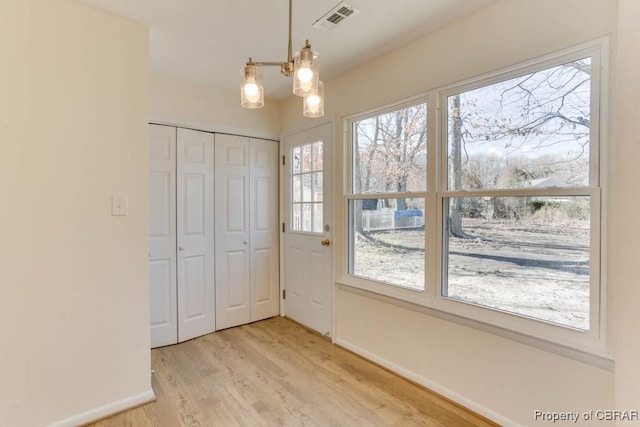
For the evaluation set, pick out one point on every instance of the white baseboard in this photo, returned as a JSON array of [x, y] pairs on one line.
[[106, 410], [418, 379]]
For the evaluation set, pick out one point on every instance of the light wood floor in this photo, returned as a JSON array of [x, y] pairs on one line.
[[276, 372]]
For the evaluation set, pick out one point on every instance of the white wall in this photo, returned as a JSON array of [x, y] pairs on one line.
[[74, 309], [508, 379], [627, 205], [180, 102], [499, 375]]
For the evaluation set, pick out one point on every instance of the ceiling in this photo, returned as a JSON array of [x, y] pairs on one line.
[[208, 41]]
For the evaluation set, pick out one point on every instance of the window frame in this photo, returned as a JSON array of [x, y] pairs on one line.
[[289, 174], [384, 288], [590, 346]]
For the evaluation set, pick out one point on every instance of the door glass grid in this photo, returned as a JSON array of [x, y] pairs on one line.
[[307, 188]]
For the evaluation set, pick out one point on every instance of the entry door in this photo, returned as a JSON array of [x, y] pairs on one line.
[[196, 307], [162, 235], [307, 239]]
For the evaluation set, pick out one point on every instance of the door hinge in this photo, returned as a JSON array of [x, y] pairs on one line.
[[284, 294], [283, 227], [282, 160]]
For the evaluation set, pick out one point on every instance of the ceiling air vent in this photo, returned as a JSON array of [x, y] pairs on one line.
[[336, 15]]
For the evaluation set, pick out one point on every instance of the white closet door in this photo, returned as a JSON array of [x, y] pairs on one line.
[[264, 229], [162, 235], [233, 294], [195, 223]]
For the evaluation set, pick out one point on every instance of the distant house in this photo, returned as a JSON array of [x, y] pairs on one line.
[[546, 182]]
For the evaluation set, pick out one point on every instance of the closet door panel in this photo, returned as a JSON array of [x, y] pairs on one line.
[[195, 291], [262, 289], [233, 295], [236, 266], [162, 300], [162, 235], [235, 190], [265, 299], [195, 218]]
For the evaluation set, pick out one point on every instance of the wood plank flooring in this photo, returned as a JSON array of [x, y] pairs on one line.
[[277, 373]]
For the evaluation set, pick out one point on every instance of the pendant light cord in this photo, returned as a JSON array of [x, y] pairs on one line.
[[290, 54]]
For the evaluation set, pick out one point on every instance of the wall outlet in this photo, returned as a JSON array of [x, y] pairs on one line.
[[119, 205]]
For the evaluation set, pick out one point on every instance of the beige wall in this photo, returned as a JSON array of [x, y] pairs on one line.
[[180, 102], [496, 375], [506, 379], [626, 231], [74, 309]]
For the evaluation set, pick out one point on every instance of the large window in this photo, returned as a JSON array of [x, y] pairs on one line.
[[387, 206], [523, 246], [506, 229]]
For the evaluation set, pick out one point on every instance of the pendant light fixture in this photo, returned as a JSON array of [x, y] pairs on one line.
[[252, 91], [313, 105], [303, 66]]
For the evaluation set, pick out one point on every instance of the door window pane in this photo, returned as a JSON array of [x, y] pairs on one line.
[[307, 220], [307, 188], [296, 217], [317, 156], [296, 188], [296, 163], [306, 158], [317, 217], [317, 187]]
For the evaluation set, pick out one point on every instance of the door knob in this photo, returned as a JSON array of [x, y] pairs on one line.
[[326, 242], [180, 248]]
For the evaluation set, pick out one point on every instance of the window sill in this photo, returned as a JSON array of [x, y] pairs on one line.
[[594, 358]]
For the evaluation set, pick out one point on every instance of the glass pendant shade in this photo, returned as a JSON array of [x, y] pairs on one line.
[[313, 105], [305, 71], [251, 89], [302, 66]]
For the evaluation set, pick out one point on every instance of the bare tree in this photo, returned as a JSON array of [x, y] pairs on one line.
[[539, 123], [391, 151], [455, 132]]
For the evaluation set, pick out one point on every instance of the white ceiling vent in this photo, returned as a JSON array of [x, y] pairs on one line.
[[336, 15]]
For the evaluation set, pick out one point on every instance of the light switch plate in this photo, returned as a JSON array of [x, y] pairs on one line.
[[119, 205]]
